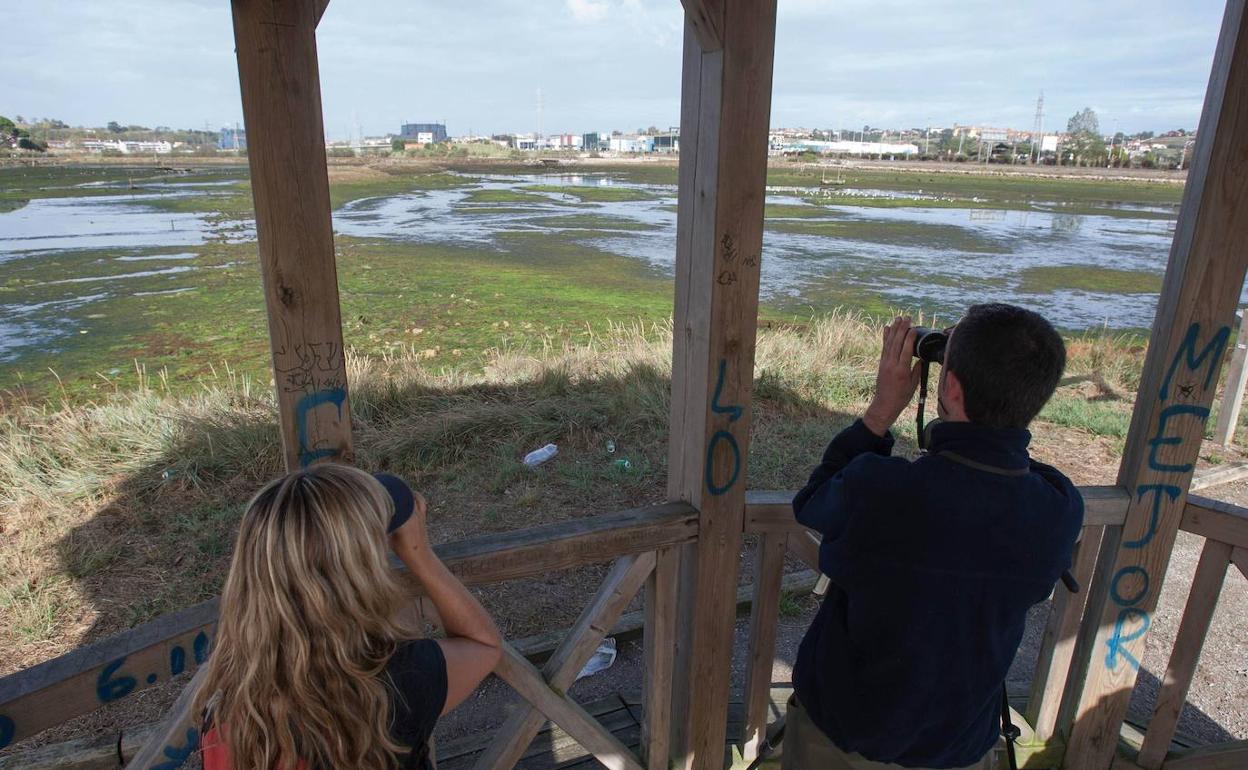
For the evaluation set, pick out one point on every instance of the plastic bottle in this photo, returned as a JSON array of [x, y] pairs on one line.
[[539, 456]]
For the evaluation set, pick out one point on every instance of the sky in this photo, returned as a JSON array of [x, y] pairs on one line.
[[478, 65]]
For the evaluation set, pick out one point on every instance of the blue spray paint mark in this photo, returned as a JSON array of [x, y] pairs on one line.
[[734, 413], [108, 689], [1171, 491], [199, 647], [1212, 351], [1209, 357], [177, 755], [177, 660], [335, 396], [1116, 595], [7, 731], [711, 486], [1117, 643], [1160, 440]]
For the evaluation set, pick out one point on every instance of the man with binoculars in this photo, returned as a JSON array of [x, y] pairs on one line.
[[933, 562]]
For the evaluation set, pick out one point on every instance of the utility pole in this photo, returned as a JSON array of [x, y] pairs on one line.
[[1037, 129]]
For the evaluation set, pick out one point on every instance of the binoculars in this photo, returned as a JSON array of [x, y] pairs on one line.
[[929, 344]]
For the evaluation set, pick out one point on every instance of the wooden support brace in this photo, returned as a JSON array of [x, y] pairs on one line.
[[1216, 520], [518, 672], [1190, 334], [1201, 601], [764, 613], [659, 653], [805, 545], [620, 586], [1058, 646], [1219, 756], [1239, 557], [1233, 391], [280, 82]]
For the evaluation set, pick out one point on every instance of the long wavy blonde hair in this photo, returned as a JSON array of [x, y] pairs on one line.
[[309, 617]]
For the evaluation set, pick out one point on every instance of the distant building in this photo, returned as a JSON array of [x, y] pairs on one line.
[[232, 139], [127, 147], [632, 144], [669, 142], [594, 142], [850, 148], [423, 133]]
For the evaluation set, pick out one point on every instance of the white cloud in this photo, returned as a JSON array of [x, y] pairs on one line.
[[588, 10]]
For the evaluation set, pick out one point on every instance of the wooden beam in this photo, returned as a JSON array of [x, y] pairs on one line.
[[767, 511], [618, 589], [321, 5], [659, 654], [1216, 520], [177, 738], [107, 671], [518, 672], [1239, 557], [1189, 337], [1233, 390], [725, 112], [1057, 648], [764, 614], [707, 19], [1197, 614], [1232, 755], [1222, 474], [280, 82]]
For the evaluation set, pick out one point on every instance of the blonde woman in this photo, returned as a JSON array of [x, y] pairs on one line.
[[312, 666]]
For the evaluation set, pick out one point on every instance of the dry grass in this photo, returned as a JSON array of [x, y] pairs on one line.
[[114, 512]]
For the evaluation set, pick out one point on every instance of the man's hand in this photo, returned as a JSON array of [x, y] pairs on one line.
[[897, 378]]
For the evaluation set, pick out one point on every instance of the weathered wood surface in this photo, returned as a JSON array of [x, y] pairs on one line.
[[1190, 640], [1220, 756], [281, 90], [707, 19], [1057, 648], [1222, 474], [659, 654], [725, 113], [764, 615], [1216, 520], [766, 511], [621, 584], [563, 711], [1189, 336], [1233, 390], [90, 677]]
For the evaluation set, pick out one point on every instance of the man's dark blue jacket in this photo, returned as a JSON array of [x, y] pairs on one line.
[[934, 564]]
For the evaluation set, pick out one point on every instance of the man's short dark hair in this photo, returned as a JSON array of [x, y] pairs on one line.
[[1008, 360]]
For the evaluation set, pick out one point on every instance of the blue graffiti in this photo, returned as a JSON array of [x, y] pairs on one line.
[[109, 689], [335, 396], [1160, 440], [1117, 642], [711, 486], [7, 731], [734, 412], [1212, 351], [199, 647], [177, 755], [1125, 571], [177, 660], [1171, 491]]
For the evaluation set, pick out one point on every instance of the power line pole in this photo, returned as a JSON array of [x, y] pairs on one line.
[[1037, 129]]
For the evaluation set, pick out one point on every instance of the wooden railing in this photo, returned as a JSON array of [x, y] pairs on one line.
[[644, 545]]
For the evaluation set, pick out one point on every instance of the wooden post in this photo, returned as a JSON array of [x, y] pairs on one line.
[[1233, 391], [725, 111], [277, 69], [1189, 336]]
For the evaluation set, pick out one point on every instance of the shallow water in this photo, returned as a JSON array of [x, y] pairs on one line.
[[100, 246]]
